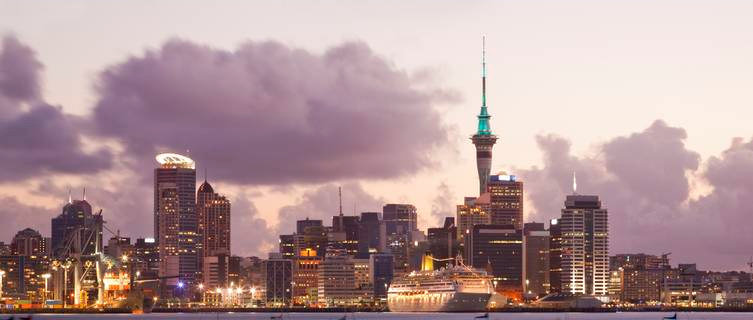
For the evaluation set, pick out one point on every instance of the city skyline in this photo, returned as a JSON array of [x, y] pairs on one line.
[[687, 189]]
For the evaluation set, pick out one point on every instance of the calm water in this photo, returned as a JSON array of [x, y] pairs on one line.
[[406, 316]]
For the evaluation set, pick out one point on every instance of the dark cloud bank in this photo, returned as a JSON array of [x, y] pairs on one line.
[[267, 114]]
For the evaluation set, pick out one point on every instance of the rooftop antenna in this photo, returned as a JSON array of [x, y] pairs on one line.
[[205, 174], [340, 196], [70, 198], [575, 184], [483, 70], [84, 194]]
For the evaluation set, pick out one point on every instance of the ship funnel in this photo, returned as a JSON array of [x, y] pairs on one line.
[[427, 263]]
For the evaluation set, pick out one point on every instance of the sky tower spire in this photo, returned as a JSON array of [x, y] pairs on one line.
[[484, 140]]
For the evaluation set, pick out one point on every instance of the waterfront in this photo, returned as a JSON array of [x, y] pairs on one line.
[[406, 316]]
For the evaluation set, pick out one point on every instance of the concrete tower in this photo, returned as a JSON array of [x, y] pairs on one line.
[[484, 140]]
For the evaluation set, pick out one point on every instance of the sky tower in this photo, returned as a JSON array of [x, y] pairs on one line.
[[484, 140]]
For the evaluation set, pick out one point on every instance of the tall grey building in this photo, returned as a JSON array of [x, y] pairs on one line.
[[584, 246]]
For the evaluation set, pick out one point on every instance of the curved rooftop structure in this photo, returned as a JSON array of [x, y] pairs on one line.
[[174, 160]]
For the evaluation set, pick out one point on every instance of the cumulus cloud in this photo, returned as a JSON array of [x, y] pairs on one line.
[[269, 114], [323, 203], [37, 138], [643, 179], [251, 235]]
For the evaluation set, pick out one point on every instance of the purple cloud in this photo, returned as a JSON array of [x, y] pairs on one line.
[[269, 114], [38, 139], [642, 179]]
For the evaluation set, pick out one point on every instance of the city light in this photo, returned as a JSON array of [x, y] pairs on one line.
[[180, 284]]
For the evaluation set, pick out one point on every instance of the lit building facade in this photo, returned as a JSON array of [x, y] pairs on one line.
[[175, 220], [278, 281], [213, 211], [585, 246], [29, 242], [400, 221], [505, 202]]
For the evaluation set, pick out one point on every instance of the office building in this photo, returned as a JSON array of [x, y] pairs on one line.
[[535, 260], [443, 243], [278, 284], [470, 214], [213, 214], [146, 256], [505, 200], [336, 281], [585, 246], [345, 232], [372, 235], [555, 256], [76, 221], [306, 278], [29, 242], [175, 220], [381, 266], [499, 250], [400, 221]]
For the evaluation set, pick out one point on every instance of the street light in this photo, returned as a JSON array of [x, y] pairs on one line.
[[45, 276]]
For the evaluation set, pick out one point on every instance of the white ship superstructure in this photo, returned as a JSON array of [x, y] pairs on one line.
[[457, 288]]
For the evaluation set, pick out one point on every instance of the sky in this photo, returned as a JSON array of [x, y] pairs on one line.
[[283, 101]]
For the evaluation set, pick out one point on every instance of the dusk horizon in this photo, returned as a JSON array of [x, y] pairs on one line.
[[343, 109]]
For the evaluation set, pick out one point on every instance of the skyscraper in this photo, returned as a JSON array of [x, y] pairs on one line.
[[213, 211], [535, 260], [555, 256], [499, 250], [76, 217], [278, 280], [470, 214], [400, 222], [585, 246], [175, 220], [484, 140], [505, 202], [372, 234]]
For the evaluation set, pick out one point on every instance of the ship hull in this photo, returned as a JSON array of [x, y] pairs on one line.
[[445, 302]]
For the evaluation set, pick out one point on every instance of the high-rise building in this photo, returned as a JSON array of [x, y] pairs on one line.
[[288, 246], [400, 221], [213, 213], [306, 278], [336, 281], [76, 217], [484, 140], [382, 268], [372, 235], [346, 228], [555, 256], [499, 250], [278, 279], [175, 220], [443, 243], [29, 242], [505, 202], [216, 271], [535, 259], [585, 246], [470, 214], [146, 257], [22, 279]]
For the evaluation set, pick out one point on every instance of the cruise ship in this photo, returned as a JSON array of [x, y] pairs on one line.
[[456, 288]]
